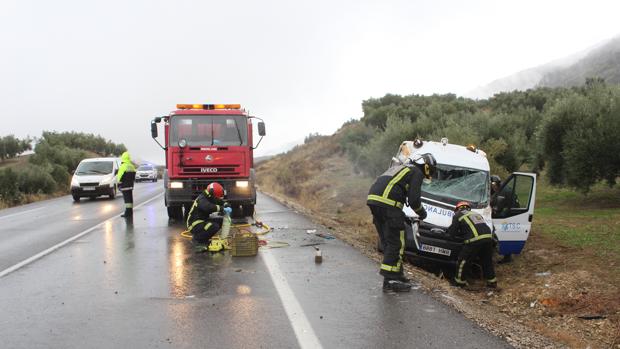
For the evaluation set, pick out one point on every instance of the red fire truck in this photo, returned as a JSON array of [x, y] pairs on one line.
[[207, 143]]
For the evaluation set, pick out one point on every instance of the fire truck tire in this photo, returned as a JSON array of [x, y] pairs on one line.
[[175, 212], [248, 210]]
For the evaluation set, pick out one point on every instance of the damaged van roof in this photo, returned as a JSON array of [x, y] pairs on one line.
[[448, 154]]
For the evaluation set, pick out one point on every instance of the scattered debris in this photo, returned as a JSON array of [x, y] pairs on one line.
[[592, 317], [192, 296], [449, 298], [312, 244], [310, 231], [545, 273], [238, 270], [325, 236], [533, 304], [318, 257]]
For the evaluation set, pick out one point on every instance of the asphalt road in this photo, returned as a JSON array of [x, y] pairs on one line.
[[142, 285]]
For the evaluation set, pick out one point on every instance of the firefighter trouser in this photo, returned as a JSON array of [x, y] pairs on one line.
[[203, 231], [390, 224], [128, 198], [481, 248]]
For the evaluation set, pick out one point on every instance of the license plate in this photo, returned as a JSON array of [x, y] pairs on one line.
[[435, 250], [89, 188]]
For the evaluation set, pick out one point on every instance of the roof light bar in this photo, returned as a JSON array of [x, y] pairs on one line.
[[208, 106]]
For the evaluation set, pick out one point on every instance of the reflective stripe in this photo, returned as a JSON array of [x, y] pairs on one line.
[[195, 223], [459, 273], [479, 237], [207, 226], [471, 225], [395, 180], [390, 202], [128, 205], [389, 268], [402, 249], [189, 215], [492, 280], [126, 188]]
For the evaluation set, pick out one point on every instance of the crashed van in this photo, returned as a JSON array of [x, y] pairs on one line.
[[463, 175]]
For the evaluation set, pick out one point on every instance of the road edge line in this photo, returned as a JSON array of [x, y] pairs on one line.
[[296, 316], [44, 253]]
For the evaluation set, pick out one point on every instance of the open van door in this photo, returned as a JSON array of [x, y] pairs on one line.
[[513, 211]]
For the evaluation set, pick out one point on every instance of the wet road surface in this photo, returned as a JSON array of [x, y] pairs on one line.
[[144, 286]]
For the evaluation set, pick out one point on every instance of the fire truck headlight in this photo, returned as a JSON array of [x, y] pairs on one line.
[[182, 143], [176, 185], [242, 184]]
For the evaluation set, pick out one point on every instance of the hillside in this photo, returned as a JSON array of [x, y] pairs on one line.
[[601, 61], [563, 273]]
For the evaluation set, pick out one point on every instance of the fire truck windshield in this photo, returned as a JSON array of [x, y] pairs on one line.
[[200, 130]]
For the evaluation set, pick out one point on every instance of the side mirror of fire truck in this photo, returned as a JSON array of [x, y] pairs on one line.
[[261, 129], [153, 129]]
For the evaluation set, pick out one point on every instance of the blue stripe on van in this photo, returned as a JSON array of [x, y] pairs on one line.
[[511, 247]]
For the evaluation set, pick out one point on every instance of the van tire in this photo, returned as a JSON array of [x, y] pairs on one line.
[[112, 193], [76, 198]]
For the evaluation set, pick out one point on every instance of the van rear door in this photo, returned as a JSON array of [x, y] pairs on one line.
[[513, 211]]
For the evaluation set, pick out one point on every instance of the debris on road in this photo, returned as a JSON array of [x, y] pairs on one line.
[[545, 273], [318, 257]]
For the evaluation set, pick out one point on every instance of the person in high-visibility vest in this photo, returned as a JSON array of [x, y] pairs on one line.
[[397, 186], [126, 176], [211, 200], [477, 239]]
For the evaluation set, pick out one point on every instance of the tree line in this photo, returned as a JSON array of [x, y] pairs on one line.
[[569, 133], [48, 170]]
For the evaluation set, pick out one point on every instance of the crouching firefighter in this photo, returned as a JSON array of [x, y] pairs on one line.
[[398, 185], [211, 200], [126, 176], [477, 242]]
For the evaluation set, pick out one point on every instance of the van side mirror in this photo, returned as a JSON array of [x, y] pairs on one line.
[[116, 171], [153, 129], [261, 129]]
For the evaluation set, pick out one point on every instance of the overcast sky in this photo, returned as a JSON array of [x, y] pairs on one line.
[[108, 67]]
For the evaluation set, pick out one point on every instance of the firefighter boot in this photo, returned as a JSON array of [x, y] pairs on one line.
[[128, 213], [393, 285], [402, 278]]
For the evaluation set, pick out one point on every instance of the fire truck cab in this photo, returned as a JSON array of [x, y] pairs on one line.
[[207, 143]]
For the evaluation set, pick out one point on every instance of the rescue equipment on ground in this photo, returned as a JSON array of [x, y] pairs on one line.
[[226, 223], [318, 257], [244, 243]]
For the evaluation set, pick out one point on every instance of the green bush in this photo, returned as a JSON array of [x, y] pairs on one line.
[[9, 189], [35, 180]]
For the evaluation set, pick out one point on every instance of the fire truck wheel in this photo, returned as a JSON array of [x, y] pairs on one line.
[[175, 212], [248, 210]]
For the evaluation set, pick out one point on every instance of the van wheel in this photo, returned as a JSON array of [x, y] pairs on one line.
[[113, 193], [76, 198]]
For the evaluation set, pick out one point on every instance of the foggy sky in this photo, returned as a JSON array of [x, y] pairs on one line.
[[109, 67]]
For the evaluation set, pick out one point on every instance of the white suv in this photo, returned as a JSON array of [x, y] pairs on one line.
[[146, 173]]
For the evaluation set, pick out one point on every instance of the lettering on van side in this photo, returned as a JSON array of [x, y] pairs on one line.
[[436, 210]]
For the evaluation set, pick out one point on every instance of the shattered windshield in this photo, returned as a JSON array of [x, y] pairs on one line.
[[452, 184]]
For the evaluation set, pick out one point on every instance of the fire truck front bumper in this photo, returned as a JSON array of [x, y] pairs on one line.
[[184, 191]]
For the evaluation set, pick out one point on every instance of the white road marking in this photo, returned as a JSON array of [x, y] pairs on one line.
[[303, 331], [41, 254], [21, 213]]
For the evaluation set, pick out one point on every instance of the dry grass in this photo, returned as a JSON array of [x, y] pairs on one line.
[[582, 258]]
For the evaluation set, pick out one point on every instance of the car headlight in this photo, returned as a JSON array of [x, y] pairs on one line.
[[74, 182], [176, 185], [107, 180], [242, 184]]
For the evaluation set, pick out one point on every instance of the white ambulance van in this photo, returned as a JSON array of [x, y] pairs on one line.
[[463, 175]]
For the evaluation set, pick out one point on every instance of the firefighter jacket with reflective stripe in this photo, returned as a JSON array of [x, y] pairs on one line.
[[204, 205], [469, 226], [397, 184], [126, 173]]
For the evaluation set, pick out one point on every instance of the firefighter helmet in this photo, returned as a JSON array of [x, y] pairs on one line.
[[462, 205], [427, 164], [216, 190], [496, 179]]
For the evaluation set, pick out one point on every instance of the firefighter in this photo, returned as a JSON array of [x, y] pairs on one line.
[[477, 242], [211, 200], [126, 176], [398, 186]]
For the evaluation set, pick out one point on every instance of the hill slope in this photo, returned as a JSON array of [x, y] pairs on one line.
[[602, 61]]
